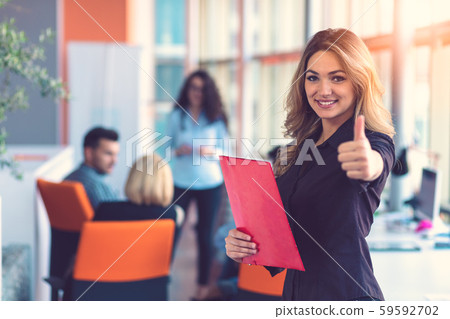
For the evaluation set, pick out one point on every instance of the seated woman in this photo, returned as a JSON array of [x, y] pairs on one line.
[[149, 190]]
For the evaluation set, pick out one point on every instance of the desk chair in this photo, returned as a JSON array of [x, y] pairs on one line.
[[256, 283], [123, 260], [68, 207]]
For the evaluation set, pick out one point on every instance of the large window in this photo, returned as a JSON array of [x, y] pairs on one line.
[[169, 53], [273, 34]]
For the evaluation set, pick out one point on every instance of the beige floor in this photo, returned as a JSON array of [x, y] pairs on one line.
[[184, 267]]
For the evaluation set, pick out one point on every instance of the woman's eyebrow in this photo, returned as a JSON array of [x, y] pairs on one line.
[[337, 71], [330, 73]]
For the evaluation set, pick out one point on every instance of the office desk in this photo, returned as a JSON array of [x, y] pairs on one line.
[[410, 275]]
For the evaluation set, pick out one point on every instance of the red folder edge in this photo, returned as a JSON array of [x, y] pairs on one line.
[[258, 211]]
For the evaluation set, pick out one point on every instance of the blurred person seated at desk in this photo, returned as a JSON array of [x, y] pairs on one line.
[[149, 190], [101, 148]]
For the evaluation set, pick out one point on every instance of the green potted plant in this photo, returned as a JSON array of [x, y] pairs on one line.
[[19, 58]]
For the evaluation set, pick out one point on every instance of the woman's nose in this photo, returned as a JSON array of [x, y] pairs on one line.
[[325, 88]]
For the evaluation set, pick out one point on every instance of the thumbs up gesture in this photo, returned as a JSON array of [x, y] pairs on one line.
[[357, 158]]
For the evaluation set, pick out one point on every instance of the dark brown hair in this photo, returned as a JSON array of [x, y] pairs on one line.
[[211, 104]]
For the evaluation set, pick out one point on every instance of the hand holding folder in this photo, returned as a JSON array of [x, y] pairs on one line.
[[258, 212]]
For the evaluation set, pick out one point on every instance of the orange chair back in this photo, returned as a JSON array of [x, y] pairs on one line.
[[67, 204], [120, 251], [258, 280]]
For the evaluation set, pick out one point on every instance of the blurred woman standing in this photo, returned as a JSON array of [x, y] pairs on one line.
[[198, 127]]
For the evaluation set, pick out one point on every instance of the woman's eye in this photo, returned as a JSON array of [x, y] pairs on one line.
[[312, 78], [338, 79]]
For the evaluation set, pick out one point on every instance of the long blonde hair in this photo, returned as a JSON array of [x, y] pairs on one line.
[[302, 122], [150, 181]]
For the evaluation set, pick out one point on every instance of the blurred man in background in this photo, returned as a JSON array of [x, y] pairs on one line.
[[101, 149]]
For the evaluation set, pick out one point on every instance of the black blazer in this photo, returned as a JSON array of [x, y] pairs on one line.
[[330, 217], [128, 211]]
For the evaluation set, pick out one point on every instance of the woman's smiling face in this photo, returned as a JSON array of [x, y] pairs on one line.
[[328, 88]]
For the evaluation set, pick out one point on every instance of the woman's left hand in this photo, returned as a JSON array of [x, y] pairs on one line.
[[357, 157]]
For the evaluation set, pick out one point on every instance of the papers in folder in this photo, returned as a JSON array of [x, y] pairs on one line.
[[258, 211]]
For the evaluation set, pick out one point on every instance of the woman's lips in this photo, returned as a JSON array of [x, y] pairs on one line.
[[326, 104]]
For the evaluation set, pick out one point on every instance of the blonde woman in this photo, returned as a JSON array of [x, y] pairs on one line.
[[335, 114], [149, 190]]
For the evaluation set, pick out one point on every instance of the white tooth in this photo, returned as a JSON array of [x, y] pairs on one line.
[[326, 103]]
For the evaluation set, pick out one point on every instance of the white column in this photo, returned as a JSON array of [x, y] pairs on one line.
[[402, 44], [143, 27], [247, 92], [440, 113], [192, 35]]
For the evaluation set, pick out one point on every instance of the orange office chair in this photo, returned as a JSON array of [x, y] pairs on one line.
[[123, 260], [68, 207], [256, 283]]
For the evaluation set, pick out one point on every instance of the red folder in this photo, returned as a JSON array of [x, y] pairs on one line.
[[258, 211]]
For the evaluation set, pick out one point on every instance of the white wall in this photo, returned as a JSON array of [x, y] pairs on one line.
[[105, 85]]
